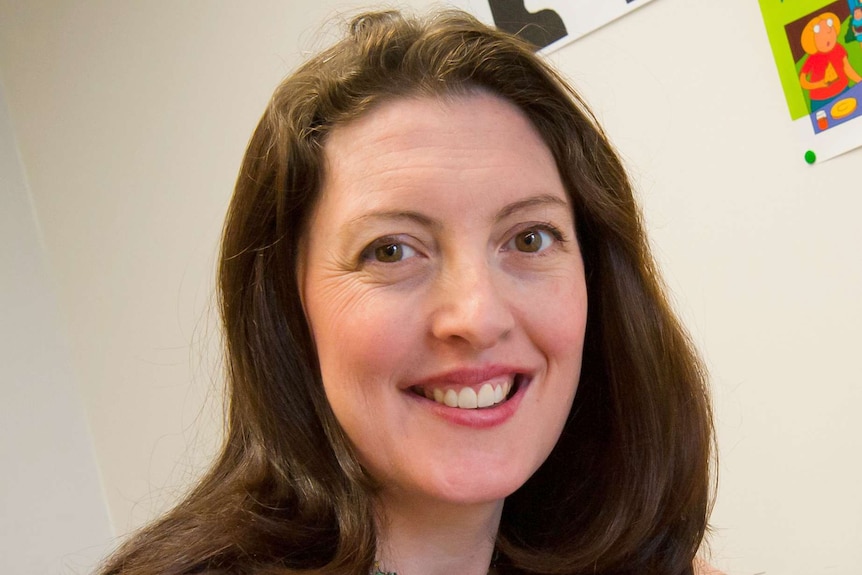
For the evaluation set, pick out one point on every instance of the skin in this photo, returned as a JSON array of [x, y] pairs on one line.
[[826, 38], [444, 243]]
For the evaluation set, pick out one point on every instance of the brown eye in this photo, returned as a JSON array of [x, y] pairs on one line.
[[534, 240], [529, 241], [389, 253]]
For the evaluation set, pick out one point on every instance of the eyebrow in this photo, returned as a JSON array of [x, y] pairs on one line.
[[417, 217], [536, 201], [423, 220]]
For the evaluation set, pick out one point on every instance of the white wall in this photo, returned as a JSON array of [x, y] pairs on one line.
[[53, 514], [131, 120]]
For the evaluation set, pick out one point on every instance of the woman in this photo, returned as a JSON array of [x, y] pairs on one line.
[[448, 347]]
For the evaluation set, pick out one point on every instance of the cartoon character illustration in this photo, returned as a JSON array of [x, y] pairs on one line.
[[855, 19], [826, 72]]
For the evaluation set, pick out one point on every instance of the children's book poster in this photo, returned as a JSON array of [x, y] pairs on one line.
[[817, 47], [549, 24]]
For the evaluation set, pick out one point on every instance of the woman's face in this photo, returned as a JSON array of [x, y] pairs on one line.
[[825, 35], [445, 291]]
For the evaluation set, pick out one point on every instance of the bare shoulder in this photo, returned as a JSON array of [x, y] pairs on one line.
[[701, 567]]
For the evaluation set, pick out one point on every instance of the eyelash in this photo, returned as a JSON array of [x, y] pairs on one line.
[[370, 252], [539, 227]]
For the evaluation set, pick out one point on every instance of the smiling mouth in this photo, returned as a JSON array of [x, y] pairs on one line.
[[486, 395]]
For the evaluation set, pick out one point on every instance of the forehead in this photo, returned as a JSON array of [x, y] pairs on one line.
[[427, 121], [471, 143]]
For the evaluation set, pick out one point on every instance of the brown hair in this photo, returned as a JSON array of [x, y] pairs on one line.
[[626, 490]]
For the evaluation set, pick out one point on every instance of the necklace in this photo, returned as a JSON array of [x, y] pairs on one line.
[[376, 570]]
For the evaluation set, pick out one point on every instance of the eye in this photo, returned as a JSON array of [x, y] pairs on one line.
[[829, 22], [817, 28], [388, 252], [532, 240]]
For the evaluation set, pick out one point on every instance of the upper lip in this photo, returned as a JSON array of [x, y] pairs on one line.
[[467, 376]]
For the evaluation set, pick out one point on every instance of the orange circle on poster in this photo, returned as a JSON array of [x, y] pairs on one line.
[[843, 108]]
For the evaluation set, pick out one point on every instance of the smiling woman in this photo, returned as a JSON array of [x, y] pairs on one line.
[[480, 291], [449, 351]]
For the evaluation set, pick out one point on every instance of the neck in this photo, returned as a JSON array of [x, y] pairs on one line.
[[430, 538]]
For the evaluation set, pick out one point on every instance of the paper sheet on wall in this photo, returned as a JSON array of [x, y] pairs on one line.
[[549, 24], [817, 46]]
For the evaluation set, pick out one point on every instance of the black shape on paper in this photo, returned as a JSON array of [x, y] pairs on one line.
[[540, 29]]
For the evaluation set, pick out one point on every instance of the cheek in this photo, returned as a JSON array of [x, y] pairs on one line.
[[362, 345], [564, 320], [343, 317], [558, 319], [364, 352]]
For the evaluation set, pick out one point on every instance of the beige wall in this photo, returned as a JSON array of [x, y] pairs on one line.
[[131, 118], [53, 514]]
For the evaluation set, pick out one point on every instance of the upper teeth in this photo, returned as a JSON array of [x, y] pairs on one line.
[[467, 398]]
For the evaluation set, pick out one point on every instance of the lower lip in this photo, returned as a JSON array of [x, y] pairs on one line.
[[483, 418]]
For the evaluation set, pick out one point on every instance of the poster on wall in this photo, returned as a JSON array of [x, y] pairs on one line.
[[817, 46], [549, 24]]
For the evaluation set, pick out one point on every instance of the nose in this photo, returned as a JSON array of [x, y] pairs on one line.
[[470, 307]]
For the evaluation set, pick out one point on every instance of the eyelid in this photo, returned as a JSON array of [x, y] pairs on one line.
[[543, 225], [554, 231], [367, 254]]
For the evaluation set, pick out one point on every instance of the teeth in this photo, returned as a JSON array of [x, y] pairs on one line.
[[451, 398], [486, 396], [467, 398]]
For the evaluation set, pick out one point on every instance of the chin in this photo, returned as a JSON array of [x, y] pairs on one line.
[[482, 484]]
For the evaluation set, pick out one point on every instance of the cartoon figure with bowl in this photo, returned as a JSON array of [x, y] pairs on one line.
[[827, 71]]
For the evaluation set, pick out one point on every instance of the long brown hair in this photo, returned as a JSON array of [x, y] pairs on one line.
[[627, 488]]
